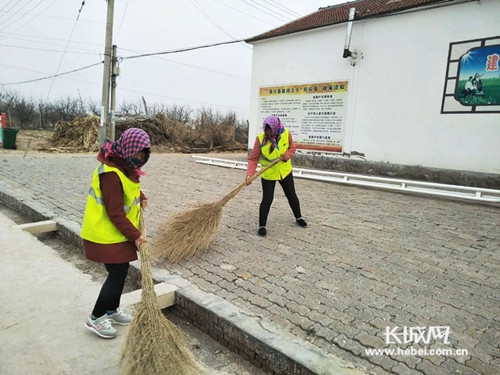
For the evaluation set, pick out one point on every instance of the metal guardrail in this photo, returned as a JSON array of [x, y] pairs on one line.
[[419, 187]]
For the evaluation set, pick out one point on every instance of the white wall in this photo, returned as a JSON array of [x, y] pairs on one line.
[[395, 90]]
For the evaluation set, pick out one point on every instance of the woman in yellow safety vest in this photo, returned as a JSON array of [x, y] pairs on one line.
[[110, 225], [273, 143]]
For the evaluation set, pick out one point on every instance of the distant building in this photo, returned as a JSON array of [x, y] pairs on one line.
[[413, 90]]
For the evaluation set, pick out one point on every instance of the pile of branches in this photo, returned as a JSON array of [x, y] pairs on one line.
[[82, 134]]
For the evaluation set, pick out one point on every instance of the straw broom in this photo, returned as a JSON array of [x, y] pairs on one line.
[[154, 345], [191, 231]]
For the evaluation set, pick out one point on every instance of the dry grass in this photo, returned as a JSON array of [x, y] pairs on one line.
[[154, 345], [81, 134]]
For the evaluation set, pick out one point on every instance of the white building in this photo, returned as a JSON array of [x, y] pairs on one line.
[[398, 102]]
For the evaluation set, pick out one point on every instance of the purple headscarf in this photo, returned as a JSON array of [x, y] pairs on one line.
[[131, 142], [277, 128]]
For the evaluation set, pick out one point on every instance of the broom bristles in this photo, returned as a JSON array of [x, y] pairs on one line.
[[153, 344], [188, 233], [191, 232]]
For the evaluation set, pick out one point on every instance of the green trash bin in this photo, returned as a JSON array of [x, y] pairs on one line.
[[9, 138]]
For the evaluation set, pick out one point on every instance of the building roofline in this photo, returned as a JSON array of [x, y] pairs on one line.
[[403, 10]]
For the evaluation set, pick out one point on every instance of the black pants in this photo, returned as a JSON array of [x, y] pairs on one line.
[[111, 291], [268, 195]]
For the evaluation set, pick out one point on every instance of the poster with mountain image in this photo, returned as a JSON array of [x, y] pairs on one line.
[[478, 79]]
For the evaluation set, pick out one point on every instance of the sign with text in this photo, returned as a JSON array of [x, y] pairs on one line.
[[314, 113]]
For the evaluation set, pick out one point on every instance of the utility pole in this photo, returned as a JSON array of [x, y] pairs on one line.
[[115, 71], [104, 125]]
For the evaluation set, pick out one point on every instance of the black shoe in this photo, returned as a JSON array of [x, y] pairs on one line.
[[262, 231], [301, 222]]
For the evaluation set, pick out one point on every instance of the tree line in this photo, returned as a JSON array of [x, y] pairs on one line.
[[28, 113]]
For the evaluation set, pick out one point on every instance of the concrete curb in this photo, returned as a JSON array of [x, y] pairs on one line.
[[263, 343]]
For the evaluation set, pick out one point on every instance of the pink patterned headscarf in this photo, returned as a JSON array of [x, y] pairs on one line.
[[277, 128], [131, 142]]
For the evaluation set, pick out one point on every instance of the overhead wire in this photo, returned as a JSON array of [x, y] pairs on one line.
[[284, 8], [242, 12], [63, 76], [121, 21], [66, 48], [48, 50], [14, 20], [57, 17], [182, 49], [43, 43], [271, 10], [204, 13], [6, 5], [277, 16], [181, 99], [191, 65], [52, 76], [32, 18], [49, 38]]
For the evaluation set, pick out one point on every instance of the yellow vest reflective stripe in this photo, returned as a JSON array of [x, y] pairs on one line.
[[97, 227], [280, 170]]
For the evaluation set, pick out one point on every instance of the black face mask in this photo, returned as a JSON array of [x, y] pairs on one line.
[[137, 162]]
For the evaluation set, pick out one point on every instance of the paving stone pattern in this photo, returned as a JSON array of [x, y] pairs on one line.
[[369, 258]]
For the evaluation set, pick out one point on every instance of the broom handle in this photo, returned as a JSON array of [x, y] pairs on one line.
[[237, 189], [146, 278]]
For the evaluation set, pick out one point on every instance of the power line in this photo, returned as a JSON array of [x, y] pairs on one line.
[[192, 66], [55, 17], [52, 76], [32, 18], [121, 22], [121, 88], [203, 12], [284, 8], [49, 38], [9, 3], [278, 16], [271, 10], [240, 11], [90, 51], [13, 20], [181, 50], [181, 99], [66, 48], [80, 11], [48, 50]]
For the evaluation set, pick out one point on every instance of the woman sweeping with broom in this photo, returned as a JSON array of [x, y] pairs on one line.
[[275, 142], [109, 231]]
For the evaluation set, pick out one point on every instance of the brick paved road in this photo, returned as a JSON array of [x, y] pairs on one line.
[[369, 258]]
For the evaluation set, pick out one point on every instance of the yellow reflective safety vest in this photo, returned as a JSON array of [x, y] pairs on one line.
[[280, 170], [97, 227]]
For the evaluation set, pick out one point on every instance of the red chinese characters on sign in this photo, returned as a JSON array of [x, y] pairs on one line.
[[492, 62]]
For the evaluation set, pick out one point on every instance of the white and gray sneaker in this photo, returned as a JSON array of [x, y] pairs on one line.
[[120, 317], [101, 326]]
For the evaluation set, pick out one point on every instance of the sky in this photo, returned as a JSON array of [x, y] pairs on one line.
[[40, 38]]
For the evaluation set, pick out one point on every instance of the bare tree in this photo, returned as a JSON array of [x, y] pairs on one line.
[[94, 107], [7, 100], [131, 108], [241, 131], [181, 113], [25, 111]]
